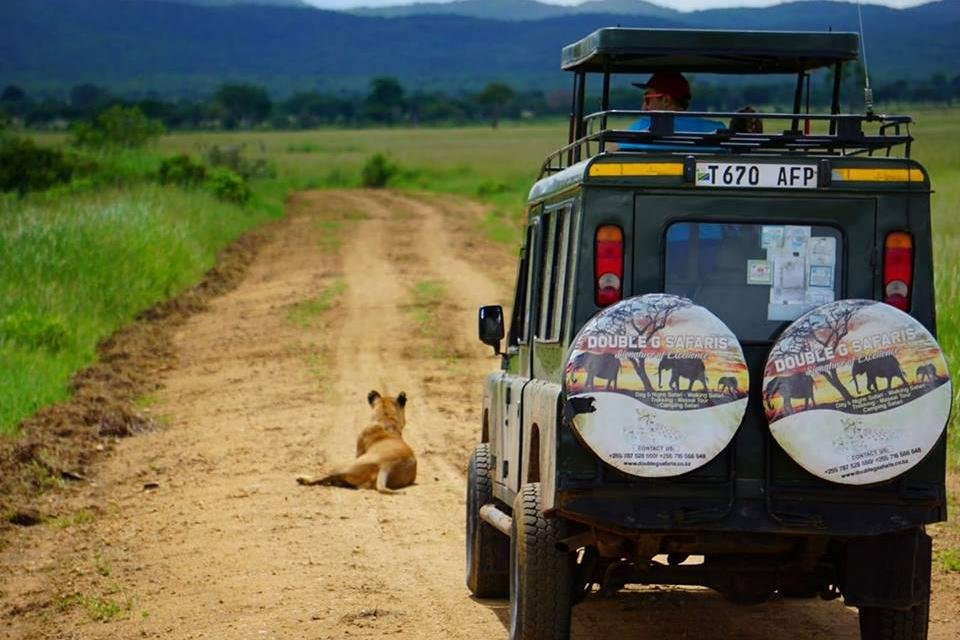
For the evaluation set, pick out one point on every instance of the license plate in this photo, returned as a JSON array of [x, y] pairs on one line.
[[765, 176]]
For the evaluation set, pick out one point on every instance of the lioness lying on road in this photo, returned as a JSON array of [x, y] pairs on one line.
[[383, 460]]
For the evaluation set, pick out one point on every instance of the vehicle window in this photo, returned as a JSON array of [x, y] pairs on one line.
[[556, 233], [560, 272], [521, 312], [754, 277], [547, 271]]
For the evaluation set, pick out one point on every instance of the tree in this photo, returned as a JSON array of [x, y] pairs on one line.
[[88, 97], [14, 101], [827, 327], [118, 126], [494, 99], [242, 105], [309, 108], [659, 309], [386, 102]]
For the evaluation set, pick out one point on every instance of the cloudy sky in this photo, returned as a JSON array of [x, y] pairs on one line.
[[683, 5]]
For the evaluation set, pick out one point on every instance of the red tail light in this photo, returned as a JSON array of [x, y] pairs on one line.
[[898, 269], [608, 265]]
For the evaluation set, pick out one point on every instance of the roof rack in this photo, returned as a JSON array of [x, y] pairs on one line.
[[630, 50], [845, 136]]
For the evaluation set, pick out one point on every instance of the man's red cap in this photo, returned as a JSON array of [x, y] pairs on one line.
[[671, 83]]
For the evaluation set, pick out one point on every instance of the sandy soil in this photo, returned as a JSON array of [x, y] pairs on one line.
[[196, 529]]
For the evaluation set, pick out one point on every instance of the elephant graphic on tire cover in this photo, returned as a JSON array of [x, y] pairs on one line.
[[690, 368], [886, 366], [927, 373], [797, 385], [728, 385], [597, 365]]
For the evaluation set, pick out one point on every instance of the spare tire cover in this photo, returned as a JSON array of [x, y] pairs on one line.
[[856, 391], [656, 385]]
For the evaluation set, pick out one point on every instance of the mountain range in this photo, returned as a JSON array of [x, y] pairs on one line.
[[518, 9], [138, 46]]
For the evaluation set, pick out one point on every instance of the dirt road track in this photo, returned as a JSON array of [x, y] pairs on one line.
[[224, 544]]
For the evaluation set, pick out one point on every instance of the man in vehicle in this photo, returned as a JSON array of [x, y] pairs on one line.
[[668, 91]]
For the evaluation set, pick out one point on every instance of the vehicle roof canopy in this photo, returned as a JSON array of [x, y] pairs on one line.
[[623, 50]]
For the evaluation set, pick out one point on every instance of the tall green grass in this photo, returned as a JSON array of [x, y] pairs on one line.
[[938, 139], [76, 266]]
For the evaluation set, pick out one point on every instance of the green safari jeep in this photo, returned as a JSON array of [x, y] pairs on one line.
[[720, 367]]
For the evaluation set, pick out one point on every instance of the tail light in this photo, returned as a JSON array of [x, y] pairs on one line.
[[898, 269], [608, 265]]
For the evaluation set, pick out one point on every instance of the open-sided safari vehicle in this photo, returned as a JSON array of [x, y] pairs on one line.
[[720, 367]]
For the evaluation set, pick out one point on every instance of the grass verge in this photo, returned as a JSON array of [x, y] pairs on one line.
[[80, 263]]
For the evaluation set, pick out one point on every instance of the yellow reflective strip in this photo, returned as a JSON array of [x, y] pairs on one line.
[[878, 175], [606, 169], [637, 169]]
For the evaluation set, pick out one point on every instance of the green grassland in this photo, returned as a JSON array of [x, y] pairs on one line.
[[497, 166], [81, 261]]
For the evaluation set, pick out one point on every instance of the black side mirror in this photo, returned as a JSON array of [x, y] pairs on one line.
[[491, 326]]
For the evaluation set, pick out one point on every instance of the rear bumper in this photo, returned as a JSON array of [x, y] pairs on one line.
[[627, 511]]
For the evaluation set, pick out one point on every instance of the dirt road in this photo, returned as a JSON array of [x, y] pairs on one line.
[[198, 530]]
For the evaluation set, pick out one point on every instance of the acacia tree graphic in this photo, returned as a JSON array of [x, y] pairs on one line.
[[826, 326], [658, 308]]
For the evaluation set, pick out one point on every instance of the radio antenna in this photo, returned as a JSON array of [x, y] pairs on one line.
[[867, 91]]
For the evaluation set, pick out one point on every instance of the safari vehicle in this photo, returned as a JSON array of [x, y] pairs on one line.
[[744, 460]]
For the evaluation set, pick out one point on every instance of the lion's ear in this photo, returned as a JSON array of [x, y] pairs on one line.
[[372, 397], [402, 399]]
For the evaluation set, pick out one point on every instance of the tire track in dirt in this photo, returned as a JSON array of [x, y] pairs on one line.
[[380, 266]]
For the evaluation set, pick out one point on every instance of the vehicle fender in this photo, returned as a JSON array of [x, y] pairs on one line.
[[540, 401], [492, 407], [890, 570]]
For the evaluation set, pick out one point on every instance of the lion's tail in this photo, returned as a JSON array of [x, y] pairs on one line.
[[333, 480]]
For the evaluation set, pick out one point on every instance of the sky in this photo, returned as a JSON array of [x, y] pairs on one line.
[[682, 5]]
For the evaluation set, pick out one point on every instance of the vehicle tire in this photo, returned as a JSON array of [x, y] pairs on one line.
[[880, 623], [488, 550], [541, 575]]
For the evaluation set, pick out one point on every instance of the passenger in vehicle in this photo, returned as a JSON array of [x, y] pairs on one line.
[[746, 123], [668, 91]]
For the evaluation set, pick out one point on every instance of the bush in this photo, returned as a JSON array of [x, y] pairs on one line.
[[26, 167], [230, 187], [232, 158], [378, 171], [182, 170], [118, 126]]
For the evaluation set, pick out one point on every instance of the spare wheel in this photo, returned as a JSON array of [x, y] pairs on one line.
[[656, 385], [856, 392]]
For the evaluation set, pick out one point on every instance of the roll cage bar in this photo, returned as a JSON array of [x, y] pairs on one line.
[[618, 50]]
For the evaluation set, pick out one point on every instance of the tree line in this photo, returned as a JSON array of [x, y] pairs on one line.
[[387, 102]]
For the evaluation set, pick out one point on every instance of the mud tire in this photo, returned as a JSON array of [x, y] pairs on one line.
[[880, 623], [541, 575], [488, 550]]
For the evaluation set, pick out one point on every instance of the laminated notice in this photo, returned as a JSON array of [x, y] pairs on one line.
[[803, 270]]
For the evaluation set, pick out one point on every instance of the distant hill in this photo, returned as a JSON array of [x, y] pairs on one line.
[[136, 46], [516, 9], [227, 3]]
